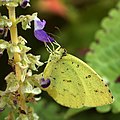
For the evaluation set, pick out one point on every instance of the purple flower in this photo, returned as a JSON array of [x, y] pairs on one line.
[[39, 33], [45, 83], [24, 3]]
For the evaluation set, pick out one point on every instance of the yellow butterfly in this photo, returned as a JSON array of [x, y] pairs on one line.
[[72, 83]]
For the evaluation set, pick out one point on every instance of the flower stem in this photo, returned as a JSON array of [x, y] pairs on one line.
[[14, 39], [17, 58]]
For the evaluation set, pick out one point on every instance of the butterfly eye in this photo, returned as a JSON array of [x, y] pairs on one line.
[[45, 83]]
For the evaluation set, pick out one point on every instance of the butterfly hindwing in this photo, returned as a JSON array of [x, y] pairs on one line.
[[64, 87]]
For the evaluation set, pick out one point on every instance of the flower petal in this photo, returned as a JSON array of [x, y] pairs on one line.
[[39, 33], [42, 36], [38, 24]]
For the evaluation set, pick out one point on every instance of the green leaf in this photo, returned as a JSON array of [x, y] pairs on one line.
[[48, 110], [105, 55], [103, 109], [71, 112], [115, 87]]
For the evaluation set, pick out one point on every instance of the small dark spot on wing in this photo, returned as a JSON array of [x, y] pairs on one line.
[[72, 62], [52, 78], [96, 90], [109, 91], [105, 85], [82, 103], [65, 89], [60, 94], [89, 76], [101, 92], [67, 80], [79, 84], [77, 106], [73, 95], [112, 97], [77, 66]]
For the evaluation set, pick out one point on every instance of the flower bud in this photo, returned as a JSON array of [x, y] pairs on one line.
[[1, 31], [24, 3], [44, 83]]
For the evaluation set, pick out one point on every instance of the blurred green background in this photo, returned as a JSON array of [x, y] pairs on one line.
[[76, 25]]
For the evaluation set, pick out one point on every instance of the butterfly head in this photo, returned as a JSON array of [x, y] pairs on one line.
[[57, 54], [61, 51]]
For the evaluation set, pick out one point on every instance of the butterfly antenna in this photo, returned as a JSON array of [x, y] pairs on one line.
[[57, 28], [54, 35]]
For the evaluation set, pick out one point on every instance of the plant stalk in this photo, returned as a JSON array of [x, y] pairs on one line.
[[14, 39], [17, 58]]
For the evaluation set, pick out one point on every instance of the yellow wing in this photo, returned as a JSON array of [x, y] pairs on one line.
[[74, 84]]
